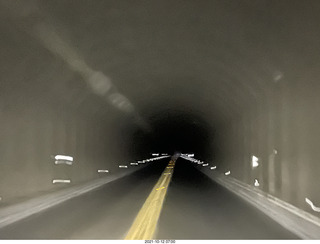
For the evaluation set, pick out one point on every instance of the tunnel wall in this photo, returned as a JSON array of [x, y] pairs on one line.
[[282, 131], [33, 132]]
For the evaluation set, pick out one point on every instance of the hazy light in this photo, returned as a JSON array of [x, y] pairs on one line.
[[99, 82], [61, 181], [121, 102], [275, 151], [256, 182], [227, 173], [214, 167], [255, 162], [123, 166], [63, 157], [103, 171], [314, 208], [277, 76]]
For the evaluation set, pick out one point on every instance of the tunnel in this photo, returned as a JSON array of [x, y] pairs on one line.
[[101, 101]]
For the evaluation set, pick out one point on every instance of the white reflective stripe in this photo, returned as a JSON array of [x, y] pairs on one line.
[[256, 182], [63, 157], [103, 171], [61, 181], [63, 162], [255, 161], [314, 208]]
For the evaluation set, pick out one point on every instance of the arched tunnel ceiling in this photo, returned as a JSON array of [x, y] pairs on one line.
[[213, 59]]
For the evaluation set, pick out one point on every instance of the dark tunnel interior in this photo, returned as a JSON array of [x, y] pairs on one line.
[[110, 82], [173, 131]]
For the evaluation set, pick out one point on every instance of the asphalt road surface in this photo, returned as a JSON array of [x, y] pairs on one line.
[[195, 208]]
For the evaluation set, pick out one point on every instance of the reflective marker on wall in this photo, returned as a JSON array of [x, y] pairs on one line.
[[214, 167], [61, 181], [103, 171], [205, 165], [133, 163], [63, 159], [256, 182], [123, 166], [227, 173], [255, 162], [314, 208]]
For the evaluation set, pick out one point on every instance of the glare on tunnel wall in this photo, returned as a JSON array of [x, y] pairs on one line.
[[255, 161]]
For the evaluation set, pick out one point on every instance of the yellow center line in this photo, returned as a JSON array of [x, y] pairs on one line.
[[145, 224]]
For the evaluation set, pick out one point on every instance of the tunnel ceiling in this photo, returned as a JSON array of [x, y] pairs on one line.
[[210, 59]]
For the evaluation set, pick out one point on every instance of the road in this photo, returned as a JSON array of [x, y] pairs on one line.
[[195, 207]]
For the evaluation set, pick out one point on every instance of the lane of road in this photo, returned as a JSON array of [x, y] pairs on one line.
[[105, 213], [198, 208]]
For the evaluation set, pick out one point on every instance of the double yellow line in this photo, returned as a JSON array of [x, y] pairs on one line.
[[144, 226]]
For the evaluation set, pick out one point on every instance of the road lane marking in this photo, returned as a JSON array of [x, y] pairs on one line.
[[144, 225]]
